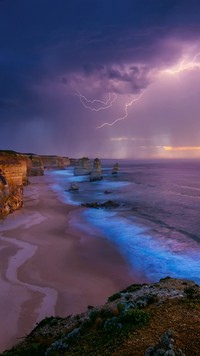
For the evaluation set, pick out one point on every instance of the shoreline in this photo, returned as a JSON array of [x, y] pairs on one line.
[[63, 269]]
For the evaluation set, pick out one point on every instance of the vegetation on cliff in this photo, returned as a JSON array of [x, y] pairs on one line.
[[160, 318]]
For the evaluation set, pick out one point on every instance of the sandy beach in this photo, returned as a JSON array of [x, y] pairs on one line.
[[49, 267]]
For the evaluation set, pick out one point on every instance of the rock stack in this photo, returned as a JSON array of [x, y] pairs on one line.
[[83, 167], [115, 169], [96, 171]]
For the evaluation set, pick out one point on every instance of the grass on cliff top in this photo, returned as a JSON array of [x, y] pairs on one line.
[[9, 152], [100, 334], [121, 327]]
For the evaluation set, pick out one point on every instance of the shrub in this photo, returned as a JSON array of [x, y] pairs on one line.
[[112, 325], [114, 297], [136, 317], [190, 293], [132, 288]]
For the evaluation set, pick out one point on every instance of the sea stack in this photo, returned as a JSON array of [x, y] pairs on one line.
[[115, 169], [96, 171], [83, 167]]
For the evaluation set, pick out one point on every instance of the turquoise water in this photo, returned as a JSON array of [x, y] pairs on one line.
[[156, 227]]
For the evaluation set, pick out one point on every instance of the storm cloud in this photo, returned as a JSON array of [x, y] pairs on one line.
[[50, 50]]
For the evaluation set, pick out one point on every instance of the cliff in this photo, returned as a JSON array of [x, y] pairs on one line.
[[12, 178], [55, 162], [34, 165], [148, 319], [14, 169]]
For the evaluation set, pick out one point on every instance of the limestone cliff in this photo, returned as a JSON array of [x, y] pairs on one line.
[[35, 166], [14, 169], [54, 162], [12, 178], [83, 167]]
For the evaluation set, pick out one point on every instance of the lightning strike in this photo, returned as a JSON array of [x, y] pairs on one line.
[[100, 104], [127, 105], [184, 65]]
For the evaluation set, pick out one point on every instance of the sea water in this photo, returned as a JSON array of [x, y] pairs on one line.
[[157, 224]]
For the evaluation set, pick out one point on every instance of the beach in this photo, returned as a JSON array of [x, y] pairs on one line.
[[50, 267]]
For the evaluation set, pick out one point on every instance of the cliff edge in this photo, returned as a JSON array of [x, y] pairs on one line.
[[15, 168], [148, 319], [13, 175]]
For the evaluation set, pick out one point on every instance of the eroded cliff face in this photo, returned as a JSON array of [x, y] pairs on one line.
[[55, 162], [14, 169], [34, 165], [12, 178]]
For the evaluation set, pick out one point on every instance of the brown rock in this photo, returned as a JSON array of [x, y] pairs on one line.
[[96, 171], [83, 167], [55, 162]]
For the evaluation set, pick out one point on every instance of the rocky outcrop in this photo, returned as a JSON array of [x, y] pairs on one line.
[[115, 169], [96, 171], [14, 169], [12, 179], [73, 161], [83, 167], [55, 162], [74, 187], [128, 324], [107, 204], [34, 165], [165, 346]]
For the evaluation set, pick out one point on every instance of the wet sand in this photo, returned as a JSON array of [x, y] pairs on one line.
[[50, 267]]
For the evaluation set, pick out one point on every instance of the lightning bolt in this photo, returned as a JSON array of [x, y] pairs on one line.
[[100, 104], [184, 65], [127, 105]]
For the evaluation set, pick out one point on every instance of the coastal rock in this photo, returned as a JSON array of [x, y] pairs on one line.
[[12, 177], [107, 192], [36, 168], [73, 187], [54, 162], [107, 204], [73, 161], [165, 346], [115, 169], [96, 171], [83, 167]]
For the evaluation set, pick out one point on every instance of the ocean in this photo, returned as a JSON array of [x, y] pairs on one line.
[[156, 227]]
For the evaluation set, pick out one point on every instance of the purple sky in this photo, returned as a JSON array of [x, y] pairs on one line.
[[140, 60]]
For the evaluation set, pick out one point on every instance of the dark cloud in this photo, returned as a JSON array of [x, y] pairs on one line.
[[50, 49]]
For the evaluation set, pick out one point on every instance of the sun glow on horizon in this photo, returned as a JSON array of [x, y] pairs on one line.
[[181, 148]]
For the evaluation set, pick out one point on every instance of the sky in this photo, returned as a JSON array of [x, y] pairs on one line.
[[100, 78]]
